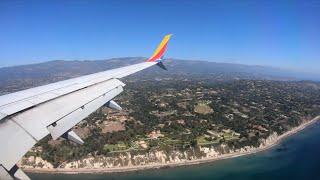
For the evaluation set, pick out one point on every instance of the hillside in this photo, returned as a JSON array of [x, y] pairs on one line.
[[26, 76]]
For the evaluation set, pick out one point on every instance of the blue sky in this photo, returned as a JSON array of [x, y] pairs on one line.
[[275, 33]]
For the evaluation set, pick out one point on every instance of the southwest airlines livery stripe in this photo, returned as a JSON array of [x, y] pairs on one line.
[[161, 49]]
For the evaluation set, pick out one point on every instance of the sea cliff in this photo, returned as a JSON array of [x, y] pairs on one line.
[[130, 161]]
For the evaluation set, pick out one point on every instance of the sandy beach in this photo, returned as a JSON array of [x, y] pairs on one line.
[[174, 164]]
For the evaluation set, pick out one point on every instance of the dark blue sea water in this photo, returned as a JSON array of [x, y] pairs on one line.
[[296, 157]]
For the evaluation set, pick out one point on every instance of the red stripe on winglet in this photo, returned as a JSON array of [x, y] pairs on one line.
[[160, 54]]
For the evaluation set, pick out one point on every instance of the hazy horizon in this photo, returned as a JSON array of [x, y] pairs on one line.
[[213, 61]]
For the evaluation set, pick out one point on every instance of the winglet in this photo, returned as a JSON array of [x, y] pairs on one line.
[[158, 54]]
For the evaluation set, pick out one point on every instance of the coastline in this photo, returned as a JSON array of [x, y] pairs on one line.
[[176, 164]]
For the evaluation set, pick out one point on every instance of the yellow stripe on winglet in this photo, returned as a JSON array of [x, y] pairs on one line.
[[163, 42]]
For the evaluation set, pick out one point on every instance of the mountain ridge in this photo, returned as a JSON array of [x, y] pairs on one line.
[[51, 71]]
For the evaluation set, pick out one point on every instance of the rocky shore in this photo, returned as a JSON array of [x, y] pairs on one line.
[[155, 159]]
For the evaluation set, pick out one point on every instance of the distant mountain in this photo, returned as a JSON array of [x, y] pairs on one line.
[[43, 73]]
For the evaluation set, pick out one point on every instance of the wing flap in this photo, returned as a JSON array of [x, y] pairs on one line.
[[36, 119], [67, 122], [15, 142]]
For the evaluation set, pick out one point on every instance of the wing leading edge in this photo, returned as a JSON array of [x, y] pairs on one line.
[[28, 116]]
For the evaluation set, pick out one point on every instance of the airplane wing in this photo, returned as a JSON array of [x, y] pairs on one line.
[[28, 116]]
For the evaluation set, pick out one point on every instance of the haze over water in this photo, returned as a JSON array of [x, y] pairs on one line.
[[296, 157]]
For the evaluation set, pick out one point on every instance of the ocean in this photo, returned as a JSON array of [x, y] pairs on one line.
[[296, 157]]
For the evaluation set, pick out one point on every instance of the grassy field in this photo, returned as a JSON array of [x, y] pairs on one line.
[[120, 146], [201, 140]]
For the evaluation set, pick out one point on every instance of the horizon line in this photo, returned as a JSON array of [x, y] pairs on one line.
[[172, 58]]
